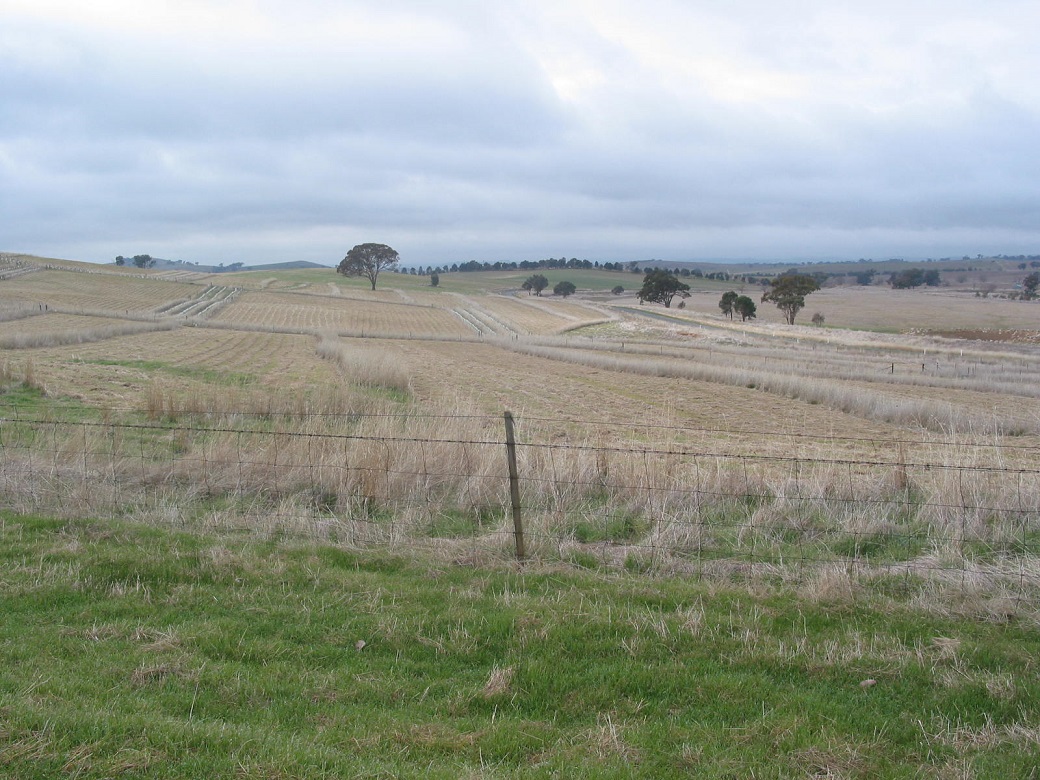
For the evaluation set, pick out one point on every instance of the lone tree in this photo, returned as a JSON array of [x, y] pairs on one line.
[[564, 289], [788, 293], [535, 283], [726, 304], [618, 289], [661, 286], [1029, 285], [745, 307], [435, 279], [368, 260]]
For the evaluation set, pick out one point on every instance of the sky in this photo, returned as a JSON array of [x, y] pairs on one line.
[[264, 131]]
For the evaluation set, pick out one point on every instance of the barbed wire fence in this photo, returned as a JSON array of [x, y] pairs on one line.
[[701, 503]]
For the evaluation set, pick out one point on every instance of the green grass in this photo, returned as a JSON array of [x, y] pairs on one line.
[[210, 375], [19, 400], [137, 652], [458, 523], [20, 396], [615, 527]]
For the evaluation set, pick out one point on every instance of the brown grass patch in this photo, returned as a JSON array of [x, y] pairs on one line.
[[498, 682], [342, 315], [82, 290]]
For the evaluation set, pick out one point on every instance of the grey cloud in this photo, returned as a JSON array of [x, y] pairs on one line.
[[217, 148]]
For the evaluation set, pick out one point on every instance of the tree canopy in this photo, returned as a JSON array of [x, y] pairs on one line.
[[564, 289], [788, 292], [914, 277], [1029, 285], [368, 260], [660, 287], [745, 307], [535, 283], [726, 303]]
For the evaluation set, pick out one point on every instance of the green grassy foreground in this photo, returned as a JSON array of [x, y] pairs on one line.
[[129, 651]]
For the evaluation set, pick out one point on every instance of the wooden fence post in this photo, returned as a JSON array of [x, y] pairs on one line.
[[514, 488]]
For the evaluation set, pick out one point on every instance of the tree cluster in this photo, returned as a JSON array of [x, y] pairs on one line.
[[1029, 286], [141, 261], [734, 303], [535, 284], [914, 277]]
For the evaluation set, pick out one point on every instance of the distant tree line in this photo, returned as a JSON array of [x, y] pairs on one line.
[[914, 277], [523, 265], [147, 261], [141, 261]]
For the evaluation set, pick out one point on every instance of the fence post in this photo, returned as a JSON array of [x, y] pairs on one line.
[[514, 488]]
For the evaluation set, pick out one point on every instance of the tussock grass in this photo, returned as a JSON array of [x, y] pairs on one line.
[[24, 376], [364, 366], [233, 405], [82, 336], [10, 312]]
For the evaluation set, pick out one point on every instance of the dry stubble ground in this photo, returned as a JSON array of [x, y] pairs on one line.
[[893, 311], [108, 291], [92, 372]]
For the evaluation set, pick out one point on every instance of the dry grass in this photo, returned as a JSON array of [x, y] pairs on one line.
[[883, 309], [116, 373], [11, 311], [499, 681], [832, 380], [23, 373], [80, 335], [98, 291], [694, 445], [352, 467], [53, 323], [364, 365], [346, 316], [527, 316]]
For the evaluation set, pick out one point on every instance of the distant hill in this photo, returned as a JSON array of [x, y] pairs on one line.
[[167, 265], [295, 264]]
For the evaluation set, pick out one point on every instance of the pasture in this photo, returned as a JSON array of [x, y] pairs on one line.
[[888, 460]]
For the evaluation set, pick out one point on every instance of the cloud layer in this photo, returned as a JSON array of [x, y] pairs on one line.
[[224, 131]]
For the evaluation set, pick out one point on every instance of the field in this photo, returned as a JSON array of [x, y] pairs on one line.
[[756, 476]]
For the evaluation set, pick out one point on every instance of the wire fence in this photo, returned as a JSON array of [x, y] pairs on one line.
[[704, 503]]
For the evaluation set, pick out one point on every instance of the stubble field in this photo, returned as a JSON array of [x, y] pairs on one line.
[[614, 399]]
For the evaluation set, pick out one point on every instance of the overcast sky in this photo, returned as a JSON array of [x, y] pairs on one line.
[[273, 130]]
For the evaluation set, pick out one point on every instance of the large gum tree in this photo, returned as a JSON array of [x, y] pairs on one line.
[[788, 292], [368, 260]]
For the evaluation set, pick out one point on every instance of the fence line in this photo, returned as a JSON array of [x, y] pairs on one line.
[[445, 484], [974, 443]]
